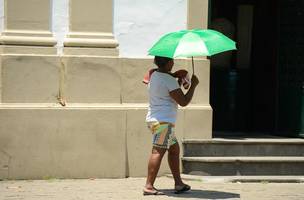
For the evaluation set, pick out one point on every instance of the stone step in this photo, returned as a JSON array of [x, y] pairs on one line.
[[238, 165], [241, 179], [244, 147]]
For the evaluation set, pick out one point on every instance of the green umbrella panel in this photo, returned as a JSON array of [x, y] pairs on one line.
[[189, 43]]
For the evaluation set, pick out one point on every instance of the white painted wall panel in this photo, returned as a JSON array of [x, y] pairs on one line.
[[139, 23]]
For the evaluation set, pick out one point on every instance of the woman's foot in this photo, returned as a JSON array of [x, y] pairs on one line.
[[151, 191], [181, 188]]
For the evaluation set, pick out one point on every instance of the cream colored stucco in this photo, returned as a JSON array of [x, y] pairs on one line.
[[89, 110], [29, 79], [27, 50], [63, 142], [93, 80]]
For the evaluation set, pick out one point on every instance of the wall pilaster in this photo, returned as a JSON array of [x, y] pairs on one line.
[[201, 116], [197, 14], [27, 23], [91, 28]]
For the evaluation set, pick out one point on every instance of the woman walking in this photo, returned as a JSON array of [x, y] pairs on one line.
[[165, 95]]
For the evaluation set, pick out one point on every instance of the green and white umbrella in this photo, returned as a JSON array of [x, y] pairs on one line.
[[189, 43]]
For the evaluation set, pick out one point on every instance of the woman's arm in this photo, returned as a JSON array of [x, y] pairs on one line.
[[184, 99]]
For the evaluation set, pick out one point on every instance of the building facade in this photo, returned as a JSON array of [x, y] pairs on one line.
[[76, 108]]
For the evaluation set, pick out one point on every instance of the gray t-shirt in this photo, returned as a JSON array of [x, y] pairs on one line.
[[162, 107]]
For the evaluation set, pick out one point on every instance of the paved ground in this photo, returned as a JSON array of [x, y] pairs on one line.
[[131, 188]]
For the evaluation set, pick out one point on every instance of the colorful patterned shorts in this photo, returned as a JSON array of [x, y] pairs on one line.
[[163, 134]]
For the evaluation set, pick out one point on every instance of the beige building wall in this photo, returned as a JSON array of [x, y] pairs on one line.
[[82, 115]]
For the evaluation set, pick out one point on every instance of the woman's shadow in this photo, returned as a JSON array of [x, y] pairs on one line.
[[202, 194]]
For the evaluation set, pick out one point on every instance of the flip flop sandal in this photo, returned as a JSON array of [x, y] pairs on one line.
[[153, 193], [182, 189]]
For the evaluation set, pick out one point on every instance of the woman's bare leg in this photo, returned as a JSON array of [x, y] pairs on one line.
[[173, 160], [153, 167]]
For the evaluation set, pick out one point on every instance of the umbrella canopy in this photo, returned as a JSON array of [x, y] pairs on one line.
[[189, 43]]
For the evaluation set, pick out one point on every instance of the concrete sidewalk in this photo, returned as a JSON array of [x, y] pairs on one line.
[[131, 189]]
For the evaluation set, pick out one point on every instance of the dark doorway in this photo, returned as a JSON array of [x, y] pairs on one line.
[[290, 107], [243, 83]]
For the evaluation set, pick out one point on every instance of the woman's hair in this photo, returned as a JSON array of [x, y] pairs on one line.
[[161, 62]]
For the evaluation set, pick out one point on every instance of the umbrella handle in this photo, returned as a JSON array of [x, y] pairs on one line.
[[192, 65]]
